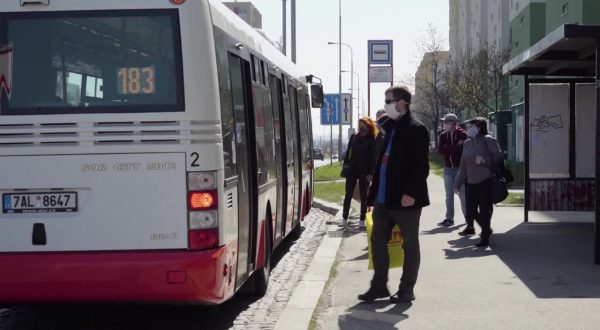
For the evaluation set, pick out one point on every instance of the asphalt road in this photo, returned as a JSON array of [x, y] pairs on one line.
[[326, 161]]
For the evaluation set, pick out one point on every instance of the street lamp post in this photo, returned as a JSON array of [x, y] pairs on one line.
[[284, 27], [351, 70], [352, 89]]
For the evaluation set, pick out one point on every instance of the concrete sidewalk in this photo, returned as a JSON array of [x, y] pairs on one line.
[[533, 276]]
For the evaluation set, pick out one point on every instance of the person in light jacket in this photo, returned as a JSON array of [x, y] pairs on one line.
[[481, 153]]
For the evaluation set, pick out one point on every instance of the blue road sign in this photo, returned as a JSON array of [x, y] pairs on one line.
[[346, 109], [381, 51], [330, 112]]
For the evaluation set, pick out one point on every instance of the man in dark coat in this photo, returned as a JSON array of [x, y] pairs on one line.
[[398, 192]]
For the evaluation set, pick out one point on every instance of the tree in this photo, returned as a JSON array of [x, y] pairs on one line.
[[431, 94], [476, 82]]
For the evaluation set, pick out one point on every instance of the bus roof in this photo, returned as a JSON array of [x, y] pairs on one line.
[[229, 22]]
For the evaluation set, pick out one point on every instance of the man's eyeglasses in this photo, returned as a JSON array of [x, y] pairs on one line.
[[391, 101]]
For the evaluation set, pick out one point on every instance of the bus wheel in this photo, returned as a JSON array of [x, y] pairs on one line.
[[296, 232], [261, 277]]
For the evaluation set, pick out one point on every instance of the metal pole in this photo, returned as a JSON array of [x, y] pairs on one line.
[[527, 143], [284, 28], [330, 142], [358, 107], [293, 4], [368, 92], [340, 79], [597, 178], [351, 85]]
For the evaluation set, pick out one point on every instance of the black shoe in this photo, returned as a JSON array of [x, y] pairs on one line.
[[483, 243], [373, 294], [446, 223], [402, 297], [485, 240], [467, 231]]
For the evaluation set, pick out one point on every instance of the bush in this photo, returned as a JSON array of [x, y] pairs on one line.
[[328, 172], [436, 163], [330, 191], [518, 171]]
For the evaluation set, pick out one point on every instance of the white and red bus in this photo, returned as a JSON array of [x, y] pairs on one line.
[[150, 150]]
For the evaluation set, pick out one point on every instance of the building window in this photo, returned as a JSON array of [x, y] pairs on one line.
[[522, 20], [565, 9]]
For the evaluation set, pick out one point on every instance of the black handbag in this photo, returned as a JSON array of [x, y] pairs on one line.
[[499, 189], [499, 180], [347, 168], [346, 171]]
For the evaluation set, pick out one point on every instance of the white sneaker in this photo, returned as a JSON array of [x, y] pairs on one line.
[[362, 225], [344, 223]]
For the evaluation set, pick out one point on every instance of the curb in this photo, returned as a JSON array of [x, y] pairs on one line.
[[298, 313], [327, 207]]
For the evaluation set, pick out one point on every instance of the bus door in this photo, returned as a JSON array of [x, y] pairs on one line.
[[295, 155], [279, 127], [289, 161], [246, 185], [305, 150]]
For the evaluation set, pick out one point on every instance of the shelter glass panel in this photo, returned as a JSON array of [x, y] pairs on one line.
[[549, 130], [585, 114]]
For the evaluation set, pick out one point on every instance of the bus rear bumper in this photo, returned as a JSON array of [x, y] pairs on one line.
[[183, 276]]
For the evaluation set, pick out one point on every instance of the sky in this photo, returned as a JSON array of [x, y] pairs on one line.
[[403, 21]]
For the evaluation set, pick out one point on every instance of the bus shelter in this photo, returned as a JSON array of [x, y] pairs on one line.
[[562, 136]]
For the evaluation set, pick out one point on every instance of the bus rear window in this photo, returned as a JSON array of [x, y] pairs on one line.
[[90, 62]]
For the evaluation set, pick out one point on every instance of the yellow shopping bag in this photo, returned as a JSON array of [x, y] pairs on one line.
[[394, 245]]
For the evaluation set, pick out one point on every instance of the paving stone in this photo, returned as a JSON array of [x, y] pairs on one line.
[[264, 313]]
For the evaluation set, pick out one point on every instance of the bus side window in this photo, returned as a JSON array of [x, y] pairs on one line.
[[303, 125], [256, 72], [263, 77], [227, 122]]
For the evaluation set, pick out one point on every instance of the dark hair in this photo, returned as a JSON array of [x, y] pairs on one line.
[[400, 93], [481, 123]]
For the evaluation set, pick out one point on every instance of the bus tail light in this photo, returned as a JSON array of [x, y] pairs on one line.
[[203, 215], [203, 239], [202, 181], [203, 220], [202, 200]]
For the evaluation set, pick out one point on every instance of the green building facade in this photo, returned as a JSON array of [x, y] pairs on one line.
[[527, 28], [538, 19]]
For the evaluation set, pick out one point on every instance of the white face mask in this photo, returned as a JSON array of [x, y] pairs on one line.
[[472, 131], [390, 111]]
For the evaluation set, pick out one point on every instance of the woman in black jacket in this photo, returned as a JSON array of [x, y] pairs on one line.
[[359, 163]]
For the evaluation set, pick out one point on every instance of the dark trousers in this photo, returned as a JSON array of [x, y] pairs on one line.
[[479, 205], [362, 186], [383, 222]]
